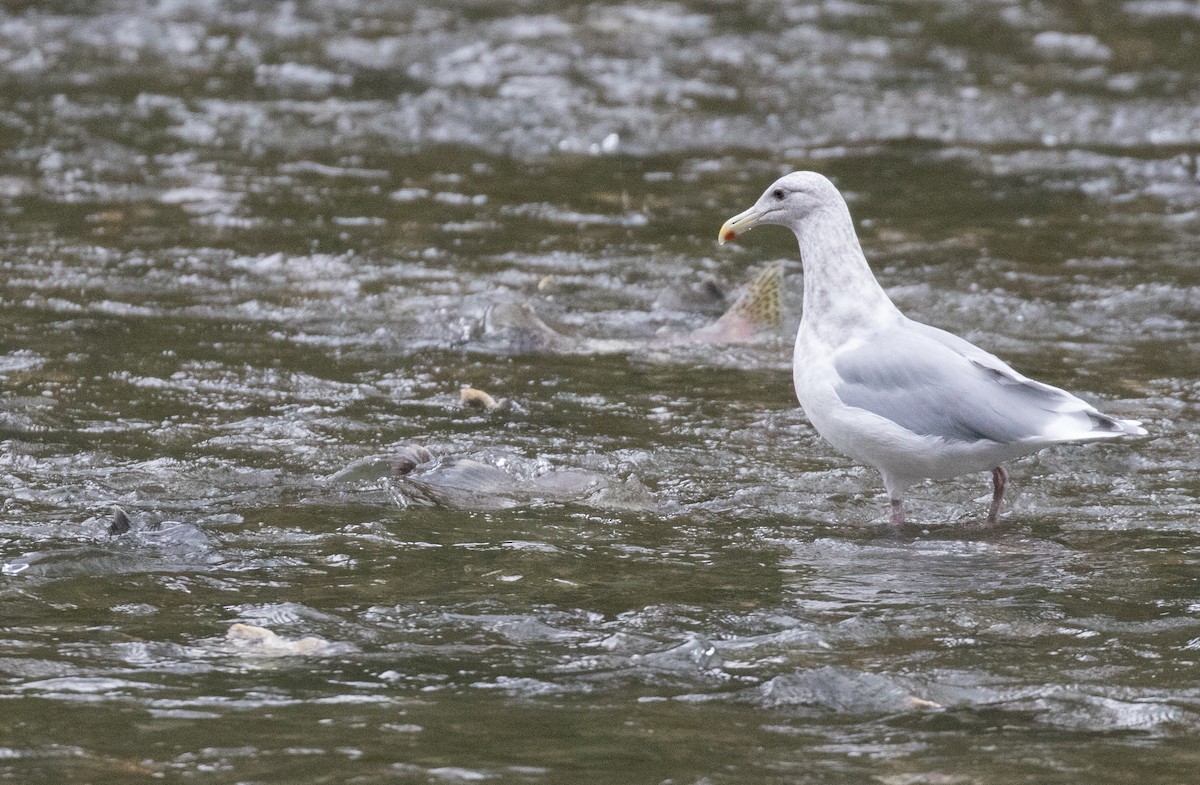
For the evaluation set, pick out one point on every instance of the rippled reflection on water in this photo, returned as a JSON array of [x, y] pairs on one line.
[[249, 246]]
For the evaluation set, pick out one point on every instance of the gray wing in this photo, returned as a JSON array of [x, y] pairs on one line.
[[936, 384]]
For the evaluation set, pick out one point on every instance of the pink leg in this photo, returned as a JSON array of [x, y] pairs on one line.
[[897, 512], [999, 480]]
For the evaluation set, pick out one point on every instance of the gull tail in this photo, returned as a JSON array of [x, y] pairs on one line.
[[1071, 419], [1085, 424], [1104, 424]]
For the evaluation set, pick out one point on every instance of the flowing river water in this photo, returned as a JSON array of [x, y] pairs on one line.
[[253, 250]]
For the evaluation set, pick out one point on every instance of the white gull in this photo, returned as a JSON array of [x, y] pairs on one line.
[[911, 400]]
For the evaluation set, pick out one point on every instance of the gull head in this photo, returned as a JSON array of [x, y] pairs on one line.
[[788, 202]]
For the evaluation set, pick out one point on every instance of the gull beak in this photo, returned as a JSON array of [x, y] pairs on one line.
[[742, 222]]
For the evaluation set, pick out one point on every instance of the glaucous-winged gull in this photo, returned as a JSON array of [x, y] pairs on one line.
[[911, 400]]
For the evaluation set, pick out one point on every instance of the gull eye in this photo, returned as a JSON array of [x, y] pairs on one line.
[[778, 194]]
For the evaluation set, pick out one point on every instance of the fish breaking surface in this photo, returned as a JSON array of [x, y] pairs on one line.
[[914, 401]]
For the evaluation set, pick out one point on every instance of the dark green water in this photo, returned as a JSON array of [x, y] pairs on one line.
[[246, 245]]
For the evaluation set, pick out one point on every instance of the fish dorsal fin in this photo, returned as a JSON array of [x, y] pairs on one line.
[[758, 310], [761, 304]]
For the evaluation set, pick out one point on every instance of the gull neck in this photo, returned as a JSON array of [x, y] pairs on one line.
[[839, 287]]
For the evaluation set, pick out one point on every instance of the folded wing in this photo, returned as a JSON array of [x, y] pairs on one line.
[[937, 384]]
